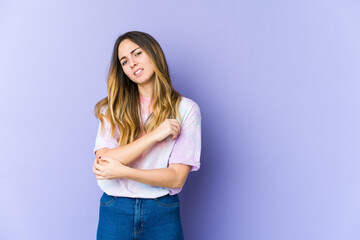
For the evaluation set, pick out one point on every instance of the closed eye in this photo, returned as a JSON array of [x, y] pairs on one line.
[[138, 53]]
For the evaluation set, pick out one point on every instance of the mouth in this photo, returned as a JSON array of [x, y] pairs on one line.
[[137, 72]]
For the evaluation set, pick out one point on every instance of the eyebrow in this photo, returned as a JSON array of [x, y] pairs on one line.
[[130, 53]]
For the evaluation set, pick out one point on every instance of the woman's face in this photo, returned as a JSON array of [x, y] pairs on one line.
[[135, 62]]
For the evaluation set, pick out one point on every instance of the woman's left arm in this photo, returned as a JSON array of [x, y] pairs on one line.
[[185, 156], [173, 176]]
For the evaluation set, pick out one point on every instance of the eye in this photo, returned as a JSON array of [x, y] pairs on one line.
[[138, 53], [124, 62]]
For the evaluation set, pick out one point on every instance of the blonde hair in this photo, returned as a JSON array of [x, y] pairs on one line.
[[123, 96]]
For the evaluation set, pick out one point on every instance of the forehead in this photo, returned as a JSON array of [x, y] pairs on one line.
[[125, 47]]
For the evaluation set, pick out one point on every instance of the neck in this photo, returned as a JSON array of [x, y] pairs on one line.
[[146, 89]]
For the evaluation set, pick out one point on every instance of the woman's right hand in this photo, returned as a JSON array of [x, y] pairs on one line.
[[166, 128]]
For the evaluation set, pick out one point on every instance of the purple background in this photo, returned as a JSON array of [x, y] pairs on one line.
[[278, 87]]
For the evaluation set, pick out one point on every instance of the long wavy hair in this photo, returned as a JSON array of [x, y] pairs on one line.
[[123, 101]]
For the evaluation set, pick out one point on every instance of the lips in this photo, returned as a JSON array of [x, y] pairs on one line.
[[137, 71]]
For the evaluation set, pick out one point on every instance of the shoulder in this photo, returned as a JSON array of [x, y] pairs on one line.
[[188, 104], [103, 109], [189, 108]]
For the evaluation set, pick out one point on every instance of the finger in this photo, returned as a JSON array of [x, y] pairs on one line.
[[103, 159], [177, 125], [94, 168], [103, 162], [98, 167], [177, 130], [171, 122], [174, 133], [95, 161], [106, 159], [176, 122], [102, 177], [97, 172]]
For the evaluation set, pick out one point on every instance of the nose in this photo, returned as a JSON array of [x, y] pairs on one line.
[[133, 63]]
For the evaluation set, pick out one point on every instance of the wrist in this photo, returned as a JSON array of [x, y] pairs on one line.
[[152, 137], [128, 172]]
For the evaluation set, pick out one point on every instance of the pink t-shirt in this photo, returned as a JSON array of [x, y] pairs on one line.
[[184, 149]]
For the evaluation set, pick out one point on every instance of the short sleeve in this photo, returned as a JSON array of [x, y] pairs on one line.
[[104, 139], [187, 146]]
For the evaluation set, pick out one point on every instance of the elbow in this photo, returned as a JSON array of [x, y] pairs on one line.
[[177, 185], [179, 173], [107, 153], [179, 182], [101, 152]]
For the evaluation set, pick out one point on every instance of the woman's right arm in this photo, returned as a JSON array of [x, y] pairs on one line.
[[129, 152]]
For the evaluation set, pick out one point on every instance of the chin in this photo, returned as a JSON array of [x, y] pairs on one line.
[[144, 81]]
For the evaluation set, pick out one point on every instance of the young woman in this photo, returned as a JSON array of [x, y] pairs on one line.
[[148, 140]]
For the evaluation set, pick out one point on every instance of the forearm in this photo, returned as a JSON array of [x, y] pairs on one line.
[[129, 152], [161, 177]]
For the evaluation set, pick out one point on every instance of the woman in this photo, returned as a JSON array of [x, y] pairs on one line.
[[149, 139]]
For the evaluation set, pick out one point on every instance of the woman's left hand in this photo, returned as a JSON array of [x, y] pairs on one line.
[[109, 168]]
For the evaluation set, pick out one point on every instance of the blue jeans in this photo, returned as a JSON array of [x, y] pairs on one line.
[[139, 218]]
